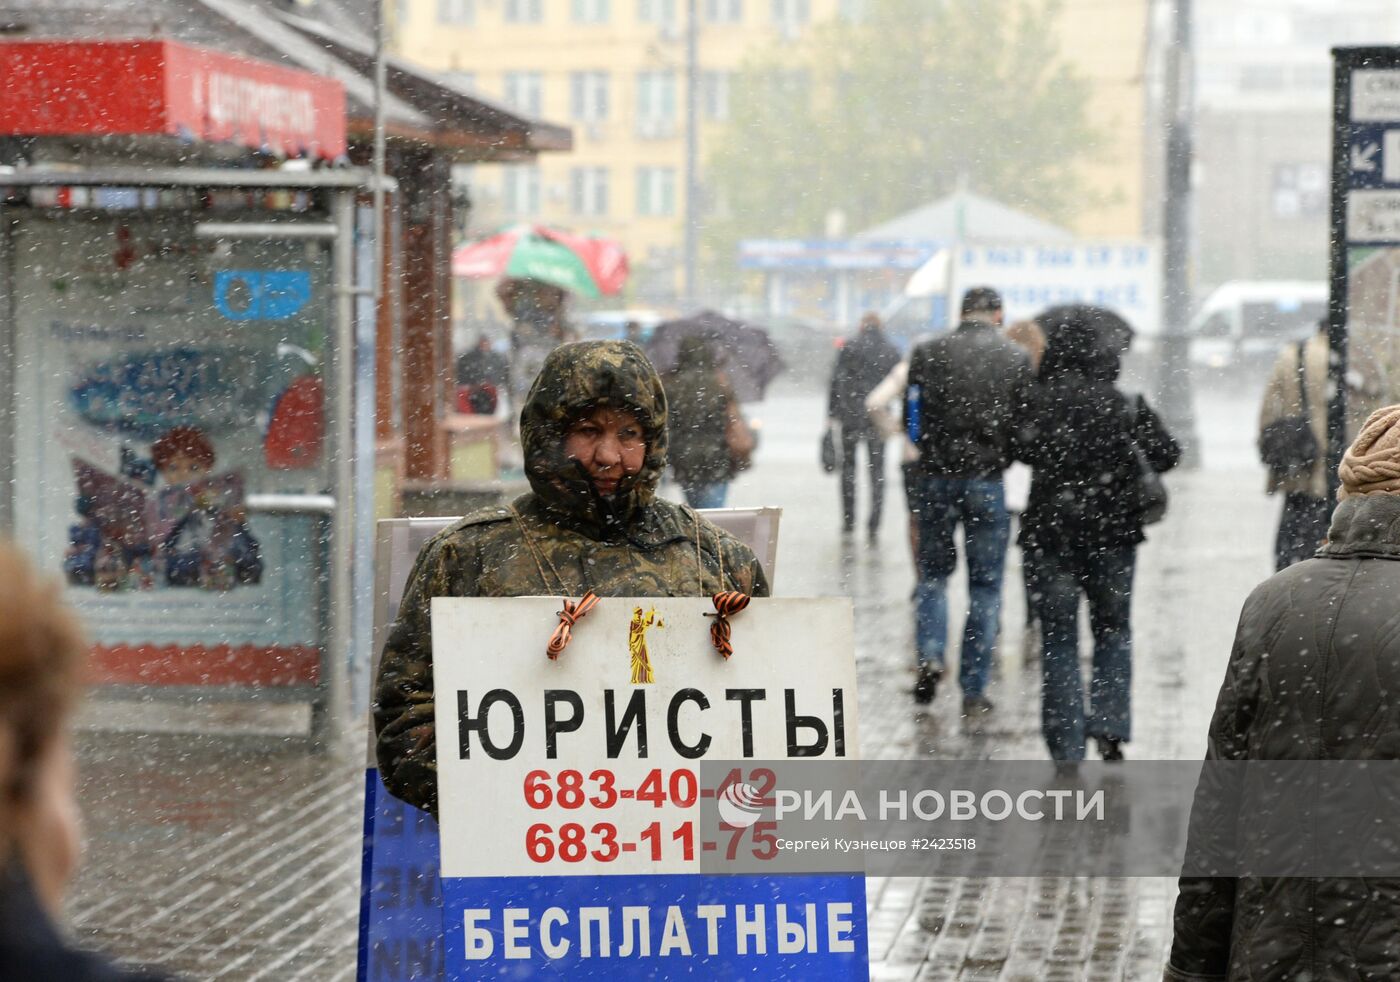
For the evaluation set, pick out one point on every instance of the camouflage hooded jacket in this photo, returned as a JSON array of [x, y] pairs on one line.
[[561, 539]]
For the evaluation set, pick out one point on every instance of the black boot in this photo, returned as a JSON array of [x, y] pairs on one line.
[[927, 685]]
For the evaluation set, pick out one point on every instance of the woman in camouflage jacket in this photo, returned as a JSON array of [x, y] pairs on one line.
[[587, 524]]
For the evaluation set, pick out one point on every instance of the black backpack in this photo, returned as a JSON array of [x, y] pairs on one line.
[[1288, 446]]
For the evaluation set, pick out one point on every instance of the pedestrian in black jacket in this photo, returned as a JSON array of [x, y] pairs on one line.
[[965, 385], [862, 364], [1312, 676], [1083, 523]]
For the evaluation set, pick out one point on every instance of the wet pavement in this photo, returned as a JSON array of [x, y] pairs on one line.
[[226, 850]]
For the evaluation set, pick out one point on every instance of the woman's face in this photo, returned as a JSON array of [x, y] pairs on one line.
[[609, 445]]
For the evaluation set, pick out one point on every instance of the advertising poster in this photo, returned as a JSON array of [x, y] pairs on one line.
[[400, 935], [162, 382], [575, 837]]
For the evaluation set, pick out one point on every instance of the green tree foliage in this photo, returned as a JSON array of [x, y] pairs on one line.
[[885, 114]]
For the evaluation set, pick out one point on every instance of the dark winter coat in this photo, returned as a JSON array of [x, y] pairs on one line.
[[1312, 676], [861, 364], [700, 404], [969, 382], [560, 540], [1077, 431], [31, 948]]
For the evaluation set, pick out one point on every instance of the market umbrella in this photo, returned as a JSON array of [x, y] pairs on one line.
[[582, 264], [745, 353]]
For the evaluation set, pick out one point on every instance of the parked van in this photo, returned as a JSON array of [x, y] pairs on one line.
[[1247, 321]]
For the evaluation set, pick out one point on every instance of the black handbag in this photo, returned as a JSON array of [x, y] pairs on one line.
[[829, 458], [1151, 489], [1288, 445]]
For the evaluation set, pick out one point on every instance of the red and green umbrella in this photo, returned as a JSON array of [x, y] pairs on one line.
[[582, 264]]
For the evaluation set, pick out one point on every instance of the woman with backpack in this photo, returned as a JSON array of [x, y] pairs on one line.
[[1094, 452]]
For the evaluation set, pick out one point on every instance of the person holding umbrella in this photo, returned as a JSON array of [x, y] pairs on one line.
[[1086, 442]]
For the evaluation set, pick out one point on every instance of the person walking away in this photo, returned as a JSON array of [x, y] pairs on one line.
[[1085, 441], [861, 364], [895, 423], [1311, 676], [702, 407], [1029, 337], [969, 381], [594, 429]]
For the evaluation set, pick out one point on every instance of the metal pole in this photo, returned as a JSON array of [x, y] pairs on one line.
[[692, 148], [378, 162], [328, 725], [1174, 378]]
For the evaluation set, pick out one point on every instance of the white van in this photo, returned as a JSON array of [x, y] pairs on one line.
[[1248, 321]]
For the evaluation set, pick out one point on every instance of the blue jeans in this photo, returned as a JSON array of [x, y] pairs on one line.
[[706, 495], [980, 506], [1106, 578]]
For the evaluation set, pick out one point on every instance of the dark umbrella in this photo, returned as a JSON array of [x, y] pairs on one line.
[[745, 353], [1115, 332]]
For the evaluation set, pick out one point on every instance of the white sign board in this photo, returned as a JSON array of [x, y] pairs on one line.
[[504, 717], [1375, 95], [1125, 277], [1373, 216]]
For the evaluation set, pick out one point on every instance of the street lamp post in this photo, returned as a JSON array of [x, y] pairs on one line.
[[692, 150], [1174, 378]]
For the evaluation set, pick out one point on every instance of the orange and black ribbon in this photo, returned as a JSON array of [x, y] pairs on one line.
[[726, 604], [568, 617]]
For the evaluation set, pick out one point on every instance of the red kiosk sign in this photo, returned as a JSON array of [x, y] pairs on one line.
[[164, 88]]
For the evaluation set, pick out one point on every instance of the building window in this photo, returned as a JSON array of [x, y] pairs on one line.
[[790, 16], [590, 11], [459, 13], [520, 193], [656, 192], [525, 92], [656, 104], [662, 13], [853, 10], [524, 11], [714, 95], [724, 11], [588, 96], [1300, 190], [589, 190]]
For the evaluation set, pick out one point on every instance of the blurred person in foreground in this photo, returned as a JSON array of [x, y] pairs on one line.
[[861, 364], [1085, 441], [1311, 676], [702, 409], [968, 383], [43, 656], [594, 431]]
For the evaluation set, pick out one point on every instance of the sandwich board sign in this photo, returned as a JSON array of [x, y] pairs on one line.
[[400, 930], [571, 790]]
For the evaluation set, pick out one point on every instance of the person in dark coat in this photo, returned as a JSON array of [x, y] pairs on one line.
[[1312, 676], [964, 387], [42, 663], [1082, 526], [862, 364], [701, 406]]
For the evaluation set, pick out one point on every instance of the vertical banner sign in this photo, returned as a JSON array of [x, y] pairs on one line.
[[1365, 306], [570, 798]]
